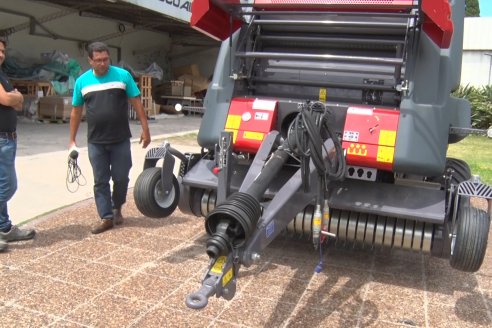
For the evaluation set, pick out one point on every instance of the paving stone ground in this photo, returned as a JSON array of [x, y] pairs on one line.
[[138, 275]]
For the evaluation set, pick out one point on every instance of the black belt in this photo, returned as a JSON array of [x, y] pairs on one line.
[[8, 135]]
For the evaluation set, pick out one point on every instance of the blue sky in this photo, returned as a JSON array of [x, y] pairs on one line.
[[485, 8]]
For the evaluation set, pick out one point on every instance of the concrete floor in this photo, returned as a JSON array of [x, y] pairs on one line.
[[138, 275]]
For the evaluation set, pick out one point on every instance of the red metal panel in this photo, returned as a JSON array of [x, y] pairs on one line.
[[438, 23], [250, 120], [211, 20], [369, 137]]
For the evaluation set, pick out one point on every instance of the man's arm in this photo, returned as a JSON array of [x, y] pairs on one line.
[[12, 99], [75, 118], [137, 105]]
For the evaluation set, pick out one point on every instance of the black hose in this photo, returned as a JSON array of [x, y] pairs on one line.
[[306, 137]]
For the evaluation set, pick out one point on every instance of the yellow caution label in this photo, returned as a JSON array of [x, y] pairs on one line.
[[387, 138], [385, 154], [317, 220], [322, 94], [219, 264], [357, 150], [253, 135], [233, 122], [227, 277]]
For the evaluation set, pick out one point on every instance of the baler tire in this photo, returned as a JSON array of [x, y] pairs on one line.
[[148, 196], [469, 242], [461, 170]]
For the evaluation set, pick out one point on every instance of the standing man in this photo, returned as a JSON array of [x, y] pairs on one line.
[[105, 90], [10, 102]]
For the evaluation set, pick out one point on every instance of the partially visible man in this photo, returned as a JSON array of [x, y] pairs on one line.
[[10, 102], [105, 90]]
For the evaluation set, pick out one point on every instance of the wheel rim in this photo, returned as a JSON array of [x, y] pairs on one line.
[[453, 236], [162, 198]]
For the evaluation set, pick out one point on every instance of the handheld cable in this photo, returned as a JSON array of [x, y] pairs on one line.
[[74, 173]]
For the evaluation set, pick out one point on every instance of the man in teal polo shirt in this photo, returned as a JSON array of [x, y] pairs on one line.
[[105, 90]]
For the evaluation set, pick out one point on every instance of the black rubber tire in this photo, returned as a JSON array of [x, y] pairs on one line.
[[469, 243], [148, 195], [461, 170]]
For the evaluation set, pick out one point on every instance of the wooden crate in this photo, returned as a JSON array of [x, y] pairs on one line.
[[34, 88], [145, 85], [55, 108]]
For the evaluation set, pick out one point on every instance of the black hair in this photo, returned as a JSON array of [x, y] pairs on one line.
[[96, 47], [3, 40]]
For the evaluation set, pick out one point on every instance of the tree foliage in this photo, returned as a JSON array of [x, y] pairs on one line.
[[472, 8]]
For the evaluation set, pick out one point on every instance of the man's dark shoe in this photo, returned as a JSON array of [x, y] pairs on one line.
[[3, 244], [16, 234], [117, 216], [104, 225]]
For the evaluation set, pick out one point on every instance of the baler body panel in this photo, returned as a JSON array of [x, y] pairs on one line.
[[369, 137]]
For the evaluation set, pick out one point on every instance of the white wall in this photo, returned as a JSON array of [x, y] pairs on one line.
[[476, 68], [477, 41]]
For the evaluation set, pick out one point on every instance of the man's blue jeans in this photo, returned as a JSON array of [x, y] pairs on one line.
[[8, 179], [110, 161]]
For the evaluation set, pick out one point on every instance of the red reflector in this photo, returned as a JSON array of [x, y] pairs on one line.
[[211, 20], [438, 24]]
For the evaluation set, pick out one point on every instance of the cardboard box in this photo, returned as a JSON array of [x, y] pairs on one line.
[[173, 88], [192, 70], [187, 91], [197, 83], [55, 108]]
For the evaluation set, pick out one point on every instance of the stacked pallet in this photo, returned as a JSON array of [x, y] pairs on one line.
[[145, 85]]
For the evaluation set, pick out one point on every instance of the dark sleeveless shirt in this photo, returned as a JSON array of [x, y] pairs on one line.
[[8, 116]]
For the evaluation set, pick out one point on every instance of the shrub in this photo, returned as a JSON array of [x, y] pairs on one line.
[[481, 103]]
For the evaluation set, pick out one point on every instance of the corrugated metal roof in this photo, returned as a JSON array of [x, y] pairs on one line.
[[478, 33], [129, 11]]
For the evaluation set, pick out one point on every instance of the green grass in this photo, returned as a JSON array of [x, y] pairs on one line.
[[477, 152]]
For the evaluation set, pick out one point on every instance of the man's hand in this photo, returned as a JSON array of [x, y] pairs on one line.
[[145, 139], [19, 100]]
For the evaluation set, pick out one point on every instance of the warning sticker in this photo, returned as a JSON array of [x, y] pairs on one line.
[[253, 135], [218, 265], [233, 122], [264, 104], [227, 277], [261, 116], [322, 94], [352, 136], [387, 138], [385, 154]]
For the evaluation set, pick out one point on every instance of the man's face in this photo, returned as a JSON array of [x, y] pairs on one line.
[[99, 62], [2, 53]]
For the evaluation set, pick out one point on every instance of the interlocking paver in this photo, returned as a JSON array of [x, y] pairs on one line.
[[138, 275]]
